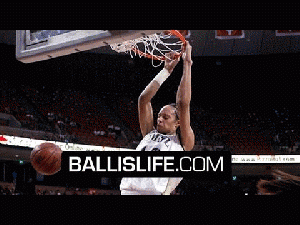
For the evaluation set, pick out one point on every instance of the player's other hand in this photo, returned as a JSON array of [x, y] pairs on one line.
[[171, 61], [187, 53]]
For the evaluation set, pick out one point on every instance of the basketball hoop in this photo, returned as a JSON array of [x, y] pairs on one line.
[[154, 46]]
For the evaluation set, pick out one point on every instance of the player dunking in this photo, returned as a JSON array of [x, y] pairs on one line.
[[170, 118]]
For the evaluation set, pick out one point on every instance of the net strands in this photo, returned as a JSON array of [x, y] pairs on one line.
[[154, 47]]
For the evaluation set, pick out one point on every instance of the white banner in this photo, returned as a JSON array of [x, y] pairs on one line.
[[32, 143], [265, 159]]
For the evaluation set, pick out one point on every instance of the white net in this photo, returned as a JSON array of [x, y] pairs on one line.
[[150, 46]]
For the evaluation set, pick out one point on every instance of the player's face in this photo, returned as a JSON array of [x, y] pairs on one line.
[[167, 122]]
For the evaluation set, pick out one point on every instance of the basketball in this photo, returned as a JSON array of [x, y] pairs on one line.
[[46, 158]]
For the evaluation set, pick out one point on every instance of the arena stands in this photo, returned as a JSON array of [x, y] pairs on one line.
[[74, 116]]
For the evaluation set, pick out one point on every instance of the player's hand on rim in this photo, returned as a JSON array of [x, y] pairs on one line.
[[171, 61], [187, 53]]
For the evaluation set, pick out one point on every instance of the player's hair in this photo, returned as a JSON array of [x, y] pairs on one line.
[[175, 106], [283, 184]]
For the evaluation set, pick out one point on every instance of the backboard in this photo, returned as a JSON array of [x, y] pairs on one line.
[[39, 45]]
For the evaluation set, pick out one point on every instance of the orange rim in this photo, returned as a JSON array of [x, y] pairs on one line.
[[162, 58]]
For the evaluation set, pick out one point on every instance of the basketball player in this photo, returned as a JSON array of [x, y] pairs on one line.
[[170, 118]]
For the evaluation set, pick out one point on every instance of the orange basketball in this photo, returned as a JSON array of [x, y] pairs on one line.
[[46, 158]]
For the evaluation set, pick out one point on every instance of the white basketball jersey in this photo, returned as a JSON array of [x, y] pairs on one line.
[[154, 141]]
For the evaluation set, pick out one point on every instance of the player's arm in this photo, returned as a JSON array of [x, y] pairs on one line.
[[144, 102], [183, 100], [145, 108]]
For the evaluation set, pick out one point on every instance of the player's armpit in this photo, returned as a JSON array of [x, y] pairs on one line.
[[186, 132]]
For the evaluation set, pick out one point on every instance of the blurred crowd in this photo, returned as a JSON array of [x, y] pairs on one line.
[[50, 190], [77, 117], [248, 132]]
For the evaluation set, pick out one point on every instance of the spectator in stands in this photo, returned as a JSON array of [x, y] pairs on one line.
[[111, 131], [1, 190], [61, 127]]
